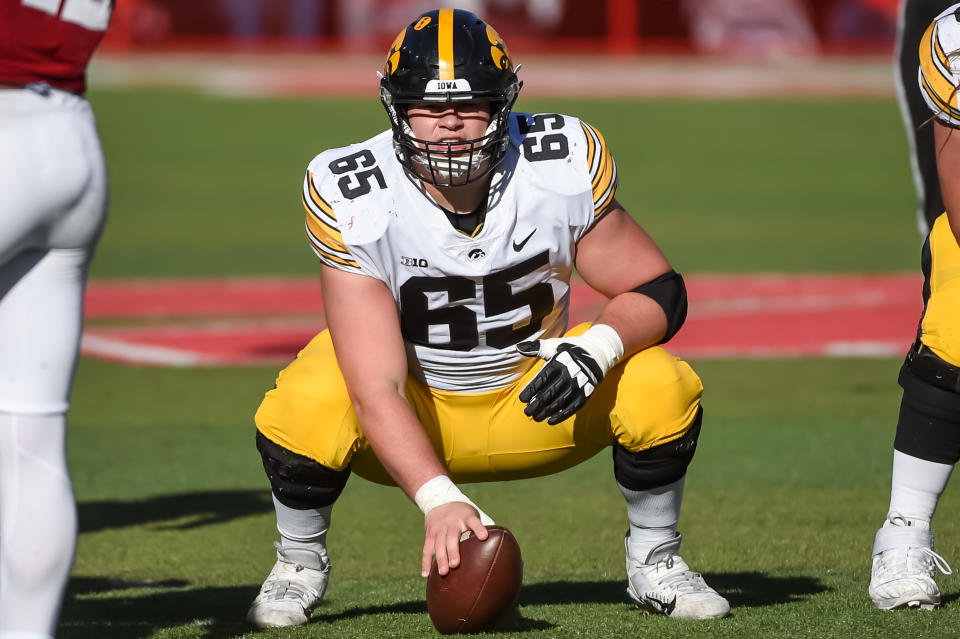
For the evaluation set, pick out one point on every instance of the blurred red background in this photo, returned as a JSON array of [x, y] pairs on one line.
[[727, 27]]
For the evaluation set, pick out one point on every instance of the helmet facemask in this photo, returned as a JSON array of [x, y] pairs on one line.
[[439, 163], [448, 56]]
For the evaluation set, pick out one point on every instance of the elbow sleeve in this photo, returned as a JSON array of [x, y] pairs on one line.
[[669, 291]]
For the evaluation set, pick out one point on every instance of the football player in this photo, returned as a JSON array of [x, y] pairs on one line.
[[927, 443], [915, 17], [53, 205], [447, 246]]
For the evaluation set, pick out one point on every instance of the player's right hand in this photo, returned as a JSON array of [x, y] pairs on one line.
[[444, 525]]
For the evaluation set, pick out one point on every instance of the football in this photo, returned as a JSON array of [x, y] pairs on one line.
[[474, 595]]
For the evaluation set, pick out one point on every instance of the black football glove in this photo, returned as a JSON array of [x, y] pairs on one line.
[[574, 368]]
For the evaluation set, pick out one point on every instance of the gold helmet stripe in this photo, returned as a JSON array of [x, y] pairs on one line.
[[445, 44]]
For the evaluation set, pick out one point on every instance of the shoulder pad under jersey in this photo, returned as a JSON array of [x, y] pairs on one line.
[[543, 139], [345, 195]]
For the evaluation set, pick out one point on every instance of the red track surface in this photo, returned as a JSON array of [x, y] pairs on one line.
[[264, 321]]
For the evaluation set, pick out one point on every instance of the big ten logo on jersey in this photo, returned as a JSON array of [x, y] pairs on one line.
[[539, 145], [413, 261], [450, 301], [89, 14], [360, 172]]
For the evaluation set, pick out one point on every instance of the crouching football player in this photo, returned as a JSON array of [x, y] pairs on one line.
[[448, 244]]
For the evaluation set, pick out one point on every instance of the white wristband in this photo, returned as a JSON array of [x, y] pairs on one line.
[[604, 344], [439, 491]]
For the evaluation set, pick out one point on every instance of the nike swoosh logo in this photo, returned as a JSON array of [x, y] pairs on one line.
[[665, 607], [519, 247]]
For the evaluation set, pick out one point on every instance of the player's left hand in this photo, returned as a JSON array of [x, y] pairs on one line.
[[574, 368]]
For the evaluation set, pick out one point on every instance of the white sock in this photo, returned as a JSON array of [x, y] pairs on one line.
[[653, 516], [303, 528], [917, 485], [38, 524]]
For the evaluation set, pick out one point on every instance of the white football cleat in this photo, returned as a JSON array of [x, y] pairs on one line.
[[292, 590], [664, 584], [904, 564]]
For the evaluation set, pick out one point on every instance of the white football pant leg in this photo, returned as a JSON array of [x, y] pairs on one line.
[[54, 185], [53, 205], [39, 524], [41, 306]]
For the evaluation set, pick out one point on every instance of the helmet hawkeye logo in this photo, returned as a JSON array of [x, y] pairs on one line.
[[393, 58], [498, 49]]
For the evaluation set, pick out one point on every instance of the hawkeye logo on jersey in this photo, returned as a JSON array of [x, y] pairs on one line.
[[476, 254], [413, 261]]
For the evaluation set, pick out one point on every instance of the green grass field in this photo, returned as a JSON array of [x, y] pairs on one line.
[[211, 186], [791, 477]]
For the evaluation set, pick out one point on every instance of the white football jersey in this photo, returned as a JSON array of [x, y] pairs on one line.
[[939, 73], [465, 301]]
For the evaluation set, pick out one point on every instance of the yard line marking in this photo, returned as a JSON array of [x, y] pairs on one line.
[[349, 74], [866, 299], [867, 348], [131, 353]]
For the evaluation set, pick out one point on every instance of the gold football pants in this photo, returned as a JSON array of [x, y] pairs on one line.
[[940, 325], [649, 399]]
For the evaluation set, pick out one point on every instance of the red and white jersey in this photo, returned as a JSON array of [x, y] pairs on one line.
[[939, 72], [466, 300], [50, 40]]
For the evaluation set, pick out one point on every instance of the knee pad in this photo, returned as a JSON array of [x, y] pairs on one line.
[[929, 423], [657, 466], [297, 481]]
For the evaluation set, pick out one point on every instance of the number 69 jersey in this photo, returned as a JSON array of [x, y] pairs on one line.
[[464, 300]]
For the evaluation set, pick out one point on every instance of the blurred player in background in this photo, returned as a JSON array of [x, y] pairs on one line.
[[53, 201], [915, 17], [927, 443], [447, 247]]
